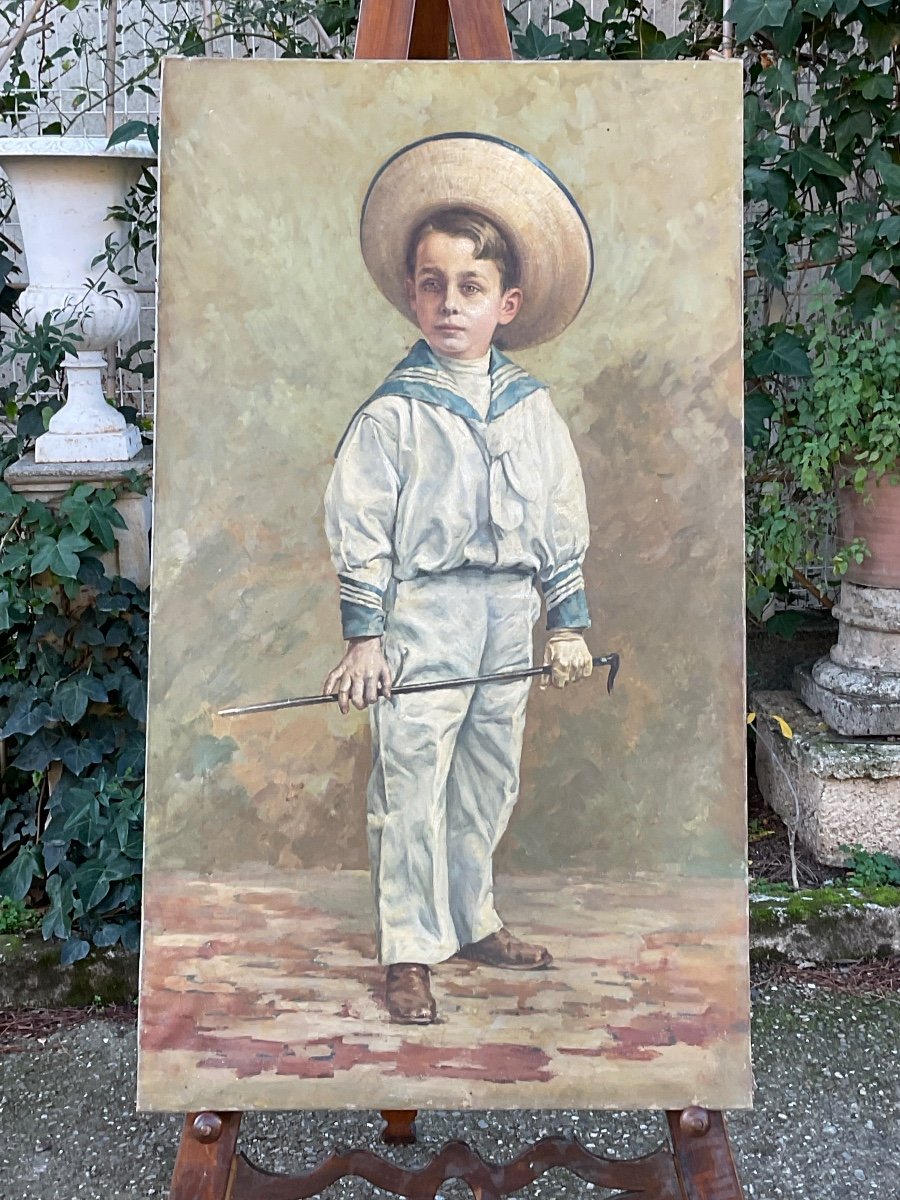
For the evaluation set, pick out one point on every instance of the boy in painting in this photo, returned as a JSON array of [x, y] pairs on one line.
[[456, 494]]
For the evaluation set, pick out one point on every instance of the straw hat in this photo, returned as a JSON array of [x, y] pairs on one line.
[[503, 182]]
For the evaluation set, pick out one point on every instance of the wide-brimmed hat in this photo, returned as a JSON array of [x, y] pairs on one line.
[[532, 209]]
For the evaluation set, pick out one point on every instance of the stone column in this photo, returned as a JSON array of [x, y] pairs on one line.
[[49, 482], [856, 688]]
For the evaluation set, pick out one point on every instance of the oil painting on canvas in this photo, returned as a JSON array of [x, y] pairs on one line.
[[448, 454]]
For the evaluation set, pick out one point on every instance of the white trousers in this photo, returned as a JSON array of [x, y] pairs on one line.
[[445, 773]]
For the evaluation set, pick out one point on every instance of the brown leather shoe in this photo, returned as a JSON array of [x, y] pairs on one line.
[[408, 994], [501, 949]]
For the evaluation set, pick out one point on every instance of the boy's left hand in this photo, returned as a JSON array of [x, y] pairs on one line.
[[568, 657]]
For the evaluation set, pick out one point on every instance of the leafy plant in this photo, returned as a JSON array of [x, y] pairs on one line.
[[868, 870], [73, 662], [15, 917], [839, 424]]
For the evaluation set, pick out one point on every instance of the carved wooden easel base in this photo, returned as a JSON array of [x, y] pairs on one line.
[[698, 1164]]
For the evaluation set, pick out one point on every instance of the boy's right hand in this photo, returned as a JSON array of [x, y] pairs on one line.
[[361, 676]]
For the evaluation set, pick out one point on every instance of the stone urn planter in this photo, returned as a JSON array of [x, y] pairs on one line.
[[64, 188]]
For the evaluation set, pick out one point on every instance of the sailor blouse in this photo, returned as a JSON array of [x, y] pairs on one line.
[[423, 485]]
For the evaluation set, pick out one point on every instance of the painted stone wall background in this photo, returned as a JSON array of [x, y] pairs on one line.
[[272, 333]]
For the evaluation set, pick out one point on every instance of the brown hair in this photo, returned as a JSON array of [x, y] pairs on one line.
[[489, 242]]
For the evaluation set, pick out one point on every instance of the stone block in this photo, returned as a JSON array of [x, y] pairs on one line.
[[49, 482], [835, 790]]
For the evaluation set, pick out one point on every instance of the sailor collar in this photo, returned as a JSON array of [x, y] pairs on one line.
[[421, 377]]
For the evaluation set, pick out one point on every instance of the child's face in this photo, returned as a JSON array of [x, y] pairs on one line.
[[457, 298]]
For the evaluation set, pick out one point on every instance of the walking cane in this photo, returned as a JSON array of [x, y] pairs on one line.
[[437, 685]]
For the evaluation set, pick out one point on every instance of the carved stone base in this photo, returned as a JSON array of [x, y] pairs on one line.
[[856, 688], [119, 447]]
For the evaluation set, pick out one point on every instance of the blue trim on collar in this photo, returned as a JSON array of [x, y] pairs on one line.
[[420, 376], [509, 383]]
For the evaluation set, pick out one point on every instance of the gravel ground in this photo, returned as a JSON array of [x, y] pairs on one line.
[[827, 1121]]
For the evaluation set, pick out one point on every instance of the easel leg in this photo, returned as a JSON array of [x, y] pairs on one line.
[[205, 1156], [400, 1127], [431, 30], [703, 1160]]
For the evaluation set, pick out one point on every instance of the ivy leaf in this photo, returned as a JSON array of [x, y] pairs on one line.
[[191, 43], [104, 520], [39, 752], [28, 720], [72, 696], [107, 935], [752, 15], [92, 882], [131, 757], [74, 949], [817, 8], [534, 43], [807, 159], [573, 18], [127, 132], [786, 356], [876, 86], [786, 624], [59, 555], [16, 880], [786, 37], [889, 229], [778, 189], [54, 852], [58, 921], [795, 112], [858, 124], [847, 274], [826, 248], [869, 294], [11, 503], [85, 813], [131, 935], [134, 693], [890, 176], [758, 408], [78, 755], [772, 260]]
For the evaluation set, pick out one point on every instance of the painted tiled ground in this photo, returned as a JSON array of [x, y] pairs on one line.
[[263, 992]]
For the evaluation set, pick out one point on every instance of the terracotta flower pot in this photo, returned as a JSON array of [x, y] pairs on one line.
[[873, 514]]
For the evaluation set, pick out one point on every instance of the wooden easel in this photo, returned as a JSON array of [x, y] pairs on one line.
[[699, 1164]]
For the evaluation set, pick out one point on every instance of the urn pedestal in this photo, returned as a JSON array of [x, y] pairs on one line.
[[64, 188], [856, 687]]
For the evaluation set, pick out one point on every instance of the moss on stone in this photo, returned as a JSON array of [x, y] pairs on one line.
[[774, 907]]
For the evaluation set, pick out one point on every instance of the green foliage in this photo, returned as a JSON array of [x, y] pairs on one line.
[[840, 418], [15, 917], [620, 30], [871, 870], [73, 663], [287, 28]]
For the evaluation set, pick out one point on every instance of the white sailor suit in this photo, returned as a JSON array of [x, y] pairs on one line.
[[445, 525]]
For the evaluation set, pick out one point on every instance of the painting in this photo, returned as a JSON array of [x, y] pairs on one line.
[[445, 797]]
